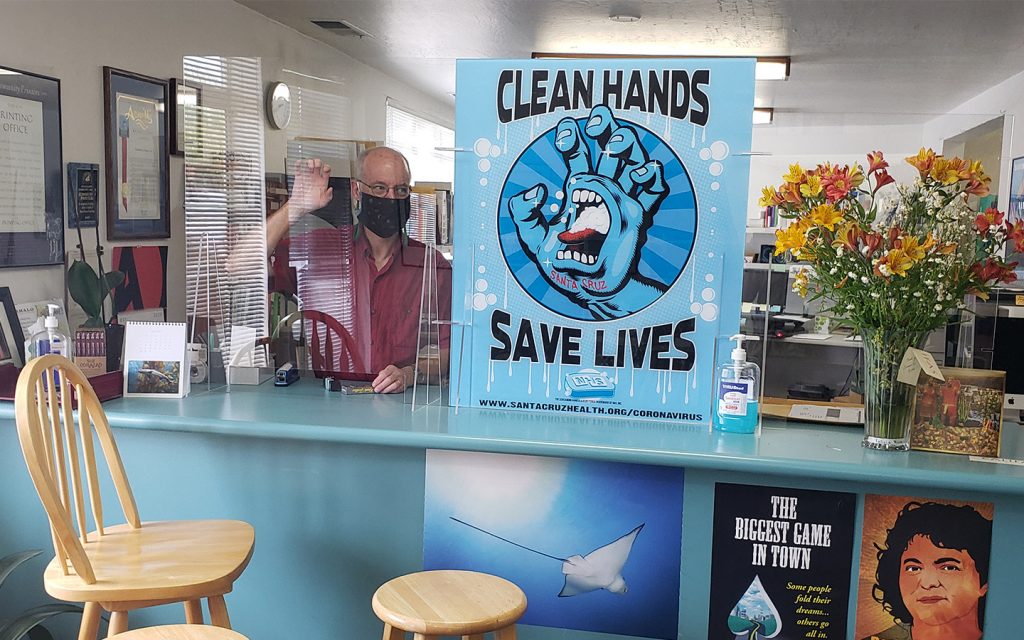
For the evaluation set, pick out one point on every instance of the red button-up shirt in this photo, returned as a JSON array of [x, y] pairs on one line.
[[337, 275]]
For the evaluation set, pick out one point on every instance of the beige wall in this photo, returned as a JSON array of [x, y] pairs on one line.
[[73, 39]]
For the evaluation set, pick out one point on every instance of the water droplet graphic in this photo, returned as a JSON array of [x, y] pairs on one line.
[[755, 615]]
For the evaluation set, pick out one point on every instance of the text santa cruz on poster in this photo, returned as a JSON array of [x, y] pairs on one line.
[[600, 215]]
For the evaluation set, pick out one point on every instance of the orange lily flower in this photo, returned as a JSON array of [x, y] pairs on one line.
[[992, 217], [812, 187], [769, 197], [825, 215], [876, 162], [923, 160], [796, 175]]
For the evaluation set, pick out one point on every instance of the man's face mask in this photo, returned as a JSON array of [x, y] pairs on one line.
[[383, 216]]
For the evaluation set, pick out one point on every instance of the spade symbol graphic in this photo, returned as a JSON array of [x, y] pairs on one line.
[[755, 617]]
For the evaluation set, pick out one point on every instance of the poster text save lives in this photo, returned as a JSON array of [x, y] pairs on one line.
[[599, 232]]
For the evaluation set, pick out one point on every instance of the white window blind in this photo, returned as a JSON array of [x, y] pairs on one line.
[[418, 139], [225, 240], [321, 128]]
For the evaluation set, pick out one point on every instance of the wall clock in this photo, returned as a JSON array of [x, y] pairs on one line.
[[279, 105]]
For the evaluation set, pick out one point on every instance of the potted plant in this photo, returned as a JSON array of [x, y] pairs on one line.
[[28, 623], [90, 290]]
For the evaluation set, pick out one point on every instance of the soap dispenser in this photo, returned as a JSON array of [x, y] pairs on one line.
[[48, 339], [737, 392]]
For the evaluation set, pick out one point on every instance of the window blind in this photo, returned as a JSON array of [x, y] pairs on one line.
[[418, 139], [225, 239]]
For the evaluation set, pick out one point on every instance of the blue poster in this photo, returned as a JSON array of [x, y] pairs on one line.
[[594, 545], [600, 220]]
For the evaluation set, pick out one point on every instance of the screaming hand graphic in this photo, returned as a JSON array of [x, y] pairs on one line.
[[589, 249]]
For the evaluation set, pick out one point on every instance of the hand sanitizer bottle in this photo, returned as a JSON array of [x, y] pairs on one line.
[[48, 339], [736, 395]]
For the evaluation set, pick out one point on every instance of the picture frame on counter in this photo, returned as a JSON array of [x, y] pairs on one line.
[[12, 339], [31, 170], [136, 156], [183, 96]]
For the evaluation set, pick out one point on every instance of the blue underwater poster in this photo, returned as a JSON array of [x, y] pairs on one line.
[[594, 545], [599, 232]]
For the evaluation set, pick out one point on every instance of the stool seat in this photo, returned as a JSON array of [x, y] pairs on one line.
[[179, 632], [449, 602]]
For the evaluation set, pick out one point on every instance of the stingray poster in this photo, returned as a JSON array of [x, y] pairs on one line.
[[780, 563], [594, 545], [600, 224]]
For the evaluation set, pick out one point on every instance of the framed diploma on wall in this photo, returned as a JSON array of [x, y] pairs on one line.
[[31, 167], [135, 126]]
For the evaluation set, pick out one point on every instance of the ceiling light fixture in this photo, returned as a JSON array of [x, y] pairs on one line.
[[624, 17], [774, 68], [763, 115], [768, 68]]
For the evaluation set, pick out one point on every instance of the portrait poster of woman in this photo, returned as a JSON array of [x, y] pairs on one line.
[[923, 569]]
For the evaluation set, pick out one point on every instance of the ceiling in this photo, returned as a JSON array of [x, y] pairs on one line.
[[852, 60]]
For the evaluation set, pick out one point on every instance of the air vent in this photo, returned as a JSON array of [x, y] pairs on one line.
[[342, 28]]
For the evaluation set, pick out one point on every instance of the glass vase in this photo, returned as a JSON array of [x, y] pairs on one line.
[[888, 403]]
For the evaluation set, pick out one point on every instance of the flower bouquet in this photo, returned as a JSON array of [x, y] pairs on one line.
[[892, 263]]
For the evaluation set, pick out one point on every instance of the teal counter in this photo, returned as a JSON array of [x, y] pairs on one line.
[[334, 487]]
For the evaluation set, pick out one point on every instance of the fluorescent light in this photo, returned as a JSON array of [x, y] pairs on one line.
[[771, 69], [624, 17], [763, 115]]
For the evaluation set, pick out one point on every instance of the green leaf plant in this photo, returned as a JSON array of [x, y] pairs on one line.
[[28, 623], [88, 288]]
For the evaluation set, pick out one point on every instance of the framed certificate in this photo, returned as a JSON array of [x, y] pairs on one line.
[[135, 126], [183, 96], [31, 181]]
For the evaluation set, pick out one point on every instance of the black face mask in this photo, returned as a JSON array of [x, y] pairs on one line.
[[383, 216]]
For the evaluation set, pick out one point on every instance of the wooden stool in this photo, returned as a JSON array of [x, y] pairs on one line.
[[180, 632], [449, 603]]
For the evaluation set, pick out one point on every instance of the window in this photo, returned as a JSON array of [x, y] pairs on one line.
[[419, 139], [225, 246]]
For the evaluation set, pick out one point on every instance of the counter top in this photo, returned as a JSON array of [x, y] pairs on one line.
[[305, 411]]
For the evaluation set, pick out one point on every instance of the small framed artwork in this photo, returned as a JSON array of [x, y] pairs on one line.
[[1017, 189], [31, 170], [135, 127], [1015, 209], [183, 96], [962, 414], [12, 340]]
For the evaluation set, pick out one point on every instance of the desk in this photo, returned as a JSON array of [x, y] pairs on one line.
[[344, 477], [830, 340]]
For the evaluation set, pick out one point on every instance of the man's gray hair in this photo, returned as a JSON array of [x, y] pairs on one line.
[[366, 153]]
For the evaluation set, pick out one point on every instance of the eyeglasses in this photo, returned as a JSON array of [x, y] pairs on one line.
[[381, 190]]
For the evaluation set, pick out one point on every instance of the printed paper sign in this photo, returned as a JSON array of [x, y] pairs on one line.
[[601, 216], [781, 562]]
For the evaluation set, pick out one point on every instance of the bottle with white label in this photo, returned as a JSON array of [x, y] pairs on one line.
[[737, 392], [47, 339]]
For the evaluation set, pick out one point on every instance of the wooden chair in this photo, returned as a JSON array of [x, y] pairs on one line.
[[180, 632], [331, 347], [431, 604], [128, 566]]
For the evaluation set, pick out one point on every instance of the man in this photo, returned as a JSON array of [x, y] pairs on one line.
[[383, 272]]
